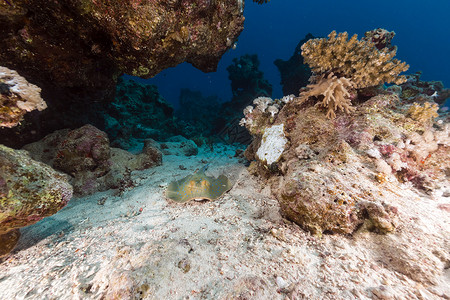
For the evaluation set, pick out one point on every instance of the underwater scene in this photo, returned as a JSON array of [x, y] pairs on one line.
[[224, 149]]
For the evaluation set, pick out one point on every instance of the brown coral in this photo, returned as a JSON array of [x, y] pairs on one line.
[[426, 113], [17, 97], [359, 61], [334, 91]]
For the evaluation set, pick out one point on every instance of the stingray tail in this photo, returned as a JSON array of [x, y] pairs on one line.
[[203, 169]]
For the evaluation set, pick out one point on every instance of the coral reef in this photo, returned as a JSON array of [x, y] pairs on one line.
[[416, 90], [336, 175], [247, 83], [75, 50], [350, 65], [85, 154], [294, 72], [359, 61], [259, 116], [381, 38], [197, 113], [29, 192], [17, 97], [425, 113], [138, 112], [333, 92]]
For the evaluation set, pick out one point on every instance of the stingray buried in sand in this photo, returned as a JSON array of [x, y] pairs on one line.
[[198, 186]]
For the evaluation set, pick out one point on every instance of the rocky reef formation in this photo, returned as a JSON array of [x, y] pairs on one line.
[[333, 173], [85, 154], [29, 192], [247, 83], [294, 72], [138, 112], [417, 90], [207, 119], [381, 38], [17, 97], [197, 114], [76, 50]]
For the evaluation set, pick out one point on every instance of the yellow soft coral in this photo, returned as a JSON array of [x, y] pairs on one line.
[[360, 61], [335, 93], [425, 113]]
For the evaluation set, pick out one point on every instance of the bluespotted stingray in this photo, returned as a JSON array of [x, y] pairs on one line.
[[198, 186]]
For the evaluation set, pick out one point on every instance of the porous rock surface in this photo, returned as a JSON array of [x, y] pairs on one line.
[[73, 41], [339, 174], [29, 192], [75, 50]]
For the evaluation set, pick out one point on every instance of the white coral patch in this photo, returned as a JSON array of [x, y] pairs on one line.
[[18, 85], [272, 145]]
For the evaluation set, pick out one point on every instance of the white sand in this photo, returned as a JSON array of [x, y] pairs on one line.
[[237, 247]]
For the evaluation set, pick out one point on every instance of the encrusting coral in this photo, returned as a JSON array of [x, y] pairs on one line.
[[340, 65]]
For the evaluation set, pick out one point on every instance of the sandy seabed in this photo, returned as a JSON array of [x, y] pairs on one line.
[[139, 245]]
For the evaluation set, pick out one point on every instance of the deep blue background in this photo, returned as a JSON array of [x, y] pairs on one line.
[[273, 30]]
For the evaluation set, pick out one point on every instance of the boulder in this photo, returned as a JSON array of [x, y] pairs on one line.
[[85, 154], [29, 191]]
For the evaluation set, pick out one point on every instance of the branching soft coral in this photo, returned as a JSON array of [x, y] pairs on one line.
[[334, 91], [359, 61]]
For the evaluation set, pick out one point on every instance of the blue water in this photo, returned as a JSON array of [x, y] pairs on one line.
[[273, 30]]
